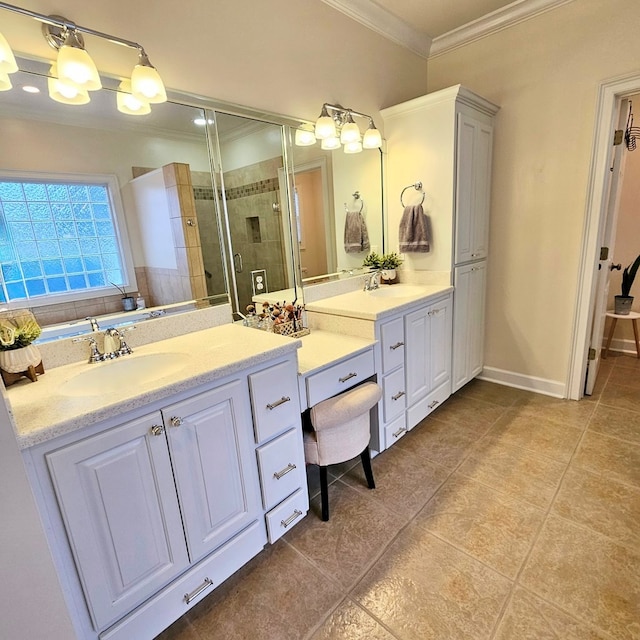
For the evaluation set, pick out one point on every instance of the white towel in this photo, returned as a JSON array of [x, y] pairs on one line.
[[413, 235], [356, 237]]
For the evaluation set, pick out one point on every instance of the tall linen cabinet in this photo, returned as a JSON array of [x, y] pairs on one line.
[[444, 141]]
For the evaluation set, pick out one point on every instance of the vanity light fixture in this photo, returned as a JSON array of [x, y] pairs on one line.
[[75, 68], [335, 127], [128, 103]]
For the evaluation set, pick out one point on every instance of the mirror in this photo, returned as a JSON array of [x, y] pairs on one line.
[[163, 184]]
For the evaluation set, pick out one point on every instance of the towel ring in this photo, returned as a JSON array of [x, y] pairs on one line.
[[417, 186], [356, 197]]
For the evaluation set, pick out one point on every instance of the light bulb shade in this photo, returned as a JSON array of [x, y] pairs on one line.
[[325, 126], [128, 103], [350, 133], [146, 83], [76, 66], [7, 60], [305, 138], [372, 138], [353, 147], [5, 82], [330, 143], [65, 92]]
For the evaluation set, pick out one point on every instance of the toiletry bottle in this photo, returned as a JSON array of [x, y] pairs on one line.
[[140, 304]]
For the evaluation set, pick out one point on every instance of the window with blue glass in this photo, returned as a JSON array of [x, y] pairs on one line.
[[56, 238]]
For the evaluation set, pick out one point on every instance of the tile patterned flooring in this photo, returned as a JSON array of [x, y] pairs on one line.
[[505, 515]]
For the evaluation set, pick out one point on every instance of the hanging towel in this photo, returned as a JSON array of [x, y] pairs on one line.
[[414, 230], [356, 237]]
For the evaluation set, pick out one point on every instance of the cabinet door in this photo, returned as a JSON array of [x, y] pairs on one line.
[[211, 443], [473, 181], [439, 360], [392, 344], [118, 501], [416, 330]]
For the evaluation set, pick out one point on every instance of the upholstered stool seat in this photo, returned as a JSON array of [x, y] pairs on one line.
[[341, 431]]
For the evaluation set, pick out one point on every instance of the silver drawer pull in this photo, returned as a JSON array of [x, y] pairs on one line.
[[290, 467], [294, 516], [157, 430], [348, 377], [399, 432], [397, 345], [190, 597], [398, 395], [277, 403], [435, 403]]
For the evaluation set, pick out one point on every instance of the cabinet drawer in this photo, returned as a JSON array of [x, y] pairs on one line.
[[281, 464], [287, 515], [394, 431], [425, 406], [392, 344], [341, 376], [274, 400], [394, 395]]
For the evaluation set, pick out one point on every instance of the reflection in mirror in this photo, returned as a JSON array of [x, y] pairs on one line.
[[162, 198]]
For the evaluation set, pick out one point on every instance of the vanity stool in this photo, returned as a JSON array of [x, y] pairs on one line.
[[633, 316], [341, 431]]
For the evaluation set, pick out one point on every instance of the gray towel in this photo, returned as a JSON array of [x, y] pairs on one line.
[[356, 237], [414, 231]]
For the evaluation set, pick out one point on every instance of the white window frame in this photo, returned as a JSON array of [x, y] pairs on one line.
[[119, 223]]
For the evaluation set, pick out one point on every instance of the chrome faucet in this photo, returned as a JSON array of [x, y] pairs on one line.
[[372, 281], [94, 323], [114, 345]]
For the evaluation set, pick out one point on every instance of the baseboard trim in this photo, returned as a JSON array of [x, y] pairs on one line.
[[521, 381], [628, 347]]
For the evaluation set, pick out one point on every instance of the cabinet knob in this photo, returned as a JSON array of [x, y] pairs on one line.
[[176, 421], [157, 430]]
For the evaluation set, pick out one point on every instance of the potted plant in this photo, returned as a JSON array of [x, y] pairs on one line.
[[18, 329], [389, 263], [373, 261], [624, 301], [128, 302]]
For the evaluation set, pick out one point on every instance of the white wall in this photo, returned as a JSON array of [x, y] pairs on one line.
[[544, 73]]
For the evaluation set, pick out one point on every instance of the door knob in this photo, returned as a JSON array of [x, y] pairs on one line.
[[615, 267]]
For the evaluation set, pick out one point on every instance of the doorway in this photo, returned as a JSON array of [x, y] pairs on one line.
[[610, 98]]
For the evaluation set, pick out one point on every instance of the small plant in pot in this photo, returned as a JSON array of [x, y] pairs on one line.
[[128, 302], [373, 261], [18, 356], [388, 264], [624, 301]]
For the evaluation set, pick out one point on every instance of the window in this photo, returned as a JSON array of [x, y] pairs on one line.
[[58, 237]]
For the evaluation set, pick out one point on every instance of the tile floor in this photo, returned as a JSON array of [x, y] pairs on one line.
[[505, 515]]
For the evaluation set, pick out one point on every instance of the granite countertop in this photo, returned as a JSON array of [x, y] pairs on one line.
[[376, 306], [46, 409], [322, 348]]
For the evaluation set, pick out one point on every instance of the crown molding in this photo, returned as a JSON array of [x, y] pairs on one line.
[[507, 16], [378, 19]]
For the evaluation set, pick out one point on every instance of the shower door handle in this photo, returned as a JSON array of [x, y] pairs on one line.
[[237, 262]]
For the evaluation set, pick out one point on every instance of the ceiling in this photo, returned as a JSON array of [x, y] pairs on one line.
[[431, 27]]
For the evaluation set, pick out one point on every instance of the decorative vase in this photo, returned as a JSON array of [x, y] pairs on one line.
[[622, 305], [128, 303], [388, 275], [19, 360]]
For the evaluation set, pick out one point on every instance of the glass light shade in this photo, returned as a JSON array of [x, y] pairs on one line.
[[5, 83], [330, 143], [372, 138], [147, 85], [350, 133], [7, 60], [325, 127], [305, 138], [353, 147], [129, 104], [65, 92], [76, 66]]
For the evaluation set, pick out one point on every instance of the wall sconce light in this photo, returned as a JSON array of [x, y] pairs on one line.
[[74, 73], [335, 127]]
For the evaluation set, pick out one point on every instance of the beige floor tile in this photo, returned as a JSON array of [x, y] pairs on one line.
[[626, 360], [513, 470], [490, 392], [489, 525], [625, 377], [404, 480], [424, 589], [536, 433], [602, 504], [475, 415], [618, 423], [569, 412], [181, 629], [276, 596], [358, 529], [611, 457], [622, 397], [587, 575], [351, 622], [444, 443], [530, 618]]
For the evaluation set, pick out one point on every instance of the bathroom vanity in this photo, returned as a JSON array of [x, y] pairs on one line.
[[155, 491]]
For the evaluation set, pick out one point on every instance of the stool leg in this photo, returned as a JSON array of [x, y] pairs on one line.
[[613, 328], [635, 335], [365, 456], [324, 493]]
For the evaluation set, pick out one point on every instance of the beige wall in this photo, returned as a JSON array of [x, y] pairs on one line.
[[545, 74]]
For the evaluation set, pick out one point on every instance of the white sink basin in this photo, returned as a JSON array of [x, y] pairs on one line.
[[123, 374], [397, 291]]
